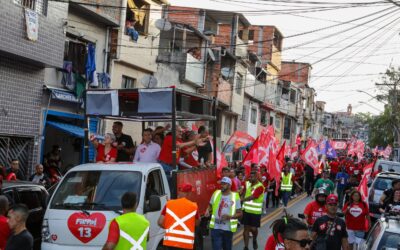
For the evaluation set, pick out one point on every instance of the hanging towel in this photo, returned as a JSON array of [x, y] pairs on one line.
[[104, 80], [95, 82], [68, 79], [133, 34], [80, 85], [90, 63]]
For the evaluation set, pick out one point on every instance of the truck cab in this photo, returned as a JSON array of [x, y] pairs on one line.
[[88, 198]]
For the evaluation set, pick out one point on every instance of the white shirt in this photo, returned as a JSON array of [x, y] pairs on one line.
[[147, 152]]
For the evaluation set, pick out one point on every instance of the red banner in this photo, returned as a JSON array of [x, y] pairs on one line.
[[363, 187], [204, 182], [339, 145], [310, 157], [237, 140]]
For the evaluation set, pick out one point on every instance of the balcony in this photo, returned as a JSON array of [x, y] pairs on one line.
[[241, 48], [191, 70]]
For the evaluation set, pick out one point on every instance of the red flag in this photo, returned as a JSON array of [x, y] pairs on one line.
[[287, 149], [221, 163], [339, 145], [251, 156], [244, 153], [237, 140], [363, 187], [387, 152], [310, 157], [298, 140], [294, 152], [194, 127]]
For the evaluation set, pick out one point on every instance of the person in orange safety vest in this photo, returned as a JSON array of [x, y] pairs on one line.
[[179, 219]]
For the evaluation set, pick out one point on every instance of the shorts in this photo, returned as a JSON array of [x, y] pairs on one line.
[[252, 220], [355, 236]]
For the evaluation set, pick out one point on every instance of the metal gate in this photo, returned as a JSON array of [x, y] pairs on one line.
[[15, 148]]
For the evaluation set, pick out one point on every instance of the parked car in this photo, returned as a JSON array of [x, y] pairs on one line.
[[35, 197], [387, 166], [385, 234], [381, 182]]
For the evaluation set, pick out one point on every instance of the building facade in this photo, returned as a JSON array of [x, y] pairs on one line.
[[24, 55]]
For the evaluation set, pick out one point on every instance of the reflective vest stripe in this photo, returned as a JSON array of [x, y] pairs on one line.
[[181, 232], [216, 200], [286, 184], [180, 222], [136, 245], [181, 240], [253, 206]]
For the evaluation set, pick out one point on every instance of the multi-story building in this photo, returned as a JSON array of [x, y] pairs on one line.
[[84, 63], [32, 39], [206, 52], [329, 127]]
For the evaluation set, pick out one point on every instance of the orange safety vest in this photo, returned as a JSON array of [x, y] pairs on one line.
[[179, 222]]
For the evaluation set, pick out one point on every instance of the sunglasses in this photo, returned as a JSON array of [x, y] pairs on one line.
[[303, 242]]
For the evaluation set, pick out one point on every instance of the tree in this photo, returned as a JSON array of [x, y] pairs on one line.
[[380, 129]]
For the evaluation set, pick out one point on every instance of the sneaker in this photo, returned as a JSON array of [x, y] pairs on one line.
[[245, 248], [255, 245]]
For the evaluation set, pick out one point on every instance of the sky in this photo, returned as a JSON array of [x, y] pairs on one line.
[[347, 59]]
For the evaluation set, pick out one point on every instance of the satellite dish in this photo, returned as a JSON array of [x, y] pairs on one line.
[[227, 73], [163, 24], [149, 81]]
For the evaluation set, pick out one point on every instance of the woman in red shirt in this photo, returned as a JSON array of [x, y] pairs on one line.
[[356, 216], [105, 152]]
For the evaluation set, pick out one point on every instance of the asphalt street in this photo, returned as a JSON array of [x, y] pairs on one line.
[[295, 207]]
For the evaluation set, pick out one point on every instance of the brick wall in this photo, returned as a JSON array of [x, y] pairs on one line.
[[113, 13], [49, 48], [294, 72], [265, 41], [224, 35], [21, 88], [184, 15]]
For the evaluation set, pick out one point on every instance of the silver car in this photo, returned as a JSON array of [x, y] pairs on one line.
[[387, 165], [381, 182], [385, 234]]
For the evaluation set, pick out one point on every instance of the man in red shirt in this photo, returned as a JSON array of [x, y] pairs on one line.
[[316, 208], [165, 158], [334, 164], [4, 228], [375, 173]]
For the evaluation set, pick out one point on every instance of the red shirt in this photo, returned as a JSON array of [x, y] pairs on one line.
[[189, 158], [334, 167], [257, 192], [313, 211], [271, 243], [356, 216], [166, 150], [4, 232], [102, 156]]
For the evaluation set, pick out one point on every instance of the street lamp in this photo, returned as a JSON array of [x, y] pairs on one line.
[[374, 97], [370, 106]]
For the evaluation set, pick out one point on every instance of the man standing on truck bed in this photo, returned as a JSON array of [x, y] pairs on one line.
[[129, 230], [180, 217], [148, 151], [165, 158], [124, 143]]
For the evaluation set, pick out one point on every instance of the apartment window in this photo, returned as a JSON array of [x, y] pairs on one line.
[[39, 6], [271, 120], [239, 84], [287, 128], [251, 35], [263, 117], [244, 113], [128, 82], [253, 117], [228, 126], [277, 123], [138, 16], [293, 96]]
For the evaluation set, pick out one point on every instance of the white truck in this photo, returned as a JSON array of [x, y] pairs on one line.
[[88, 197]]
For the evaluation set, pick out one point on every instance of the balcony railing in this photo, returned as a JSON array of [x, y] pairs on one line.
[[190, 71]]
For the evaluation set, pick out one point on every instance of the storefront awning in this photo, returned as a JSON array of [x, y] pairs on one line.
[[67, 128]]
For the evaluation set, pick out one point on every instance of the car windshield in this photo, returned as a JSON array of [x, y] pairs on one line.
[[382, 183], [389, 241], [95, 190], [387, 166]]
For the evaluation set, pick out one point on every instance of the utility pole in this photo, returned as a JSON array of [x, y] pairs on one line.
[[394, 112]]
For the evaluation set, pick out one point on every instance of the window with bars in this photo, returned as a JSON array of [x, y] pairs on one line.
[[228, 125], [128, 82], [239, 84], [253, 117], [40, 6]]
